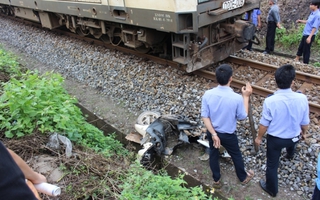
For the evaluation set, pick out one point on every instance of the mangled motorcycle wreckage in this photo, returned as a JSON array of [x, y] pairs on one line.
[[161, 135]]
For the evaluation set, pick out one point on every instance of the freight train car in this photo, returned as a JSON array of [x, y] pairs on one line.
[[195, 33]]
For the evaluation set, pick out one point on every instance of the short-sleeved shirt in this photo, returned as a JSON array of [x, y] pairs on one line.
[[254, 16], [318, 172], [312, 22], [12, 181], [284, 113], [273, 14], [224, 107]]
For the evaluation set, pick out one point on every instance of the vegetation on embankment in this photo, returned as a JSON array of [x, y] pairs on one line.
[[34, 104]]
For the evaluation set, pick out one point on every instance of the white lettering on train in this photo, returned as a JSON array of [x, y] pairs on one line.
[[232, 4], [160, 17]]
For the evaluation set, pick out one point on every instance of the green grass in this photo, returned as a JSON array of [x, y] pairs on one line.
[[38, 104], [288, 40]]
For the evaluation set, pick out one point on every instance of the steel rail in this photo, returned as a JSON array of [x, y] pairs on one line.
[[315, 108], [309, 78]]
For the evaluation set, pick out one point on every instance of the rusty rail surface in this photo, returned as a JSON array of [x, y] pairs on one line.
[[309, 78], [305, 77]]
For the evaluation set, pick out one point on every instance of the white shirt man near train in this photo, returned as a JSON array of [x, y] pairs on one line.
[[309, 32], [273, 20], [285, 116], [221, 107]]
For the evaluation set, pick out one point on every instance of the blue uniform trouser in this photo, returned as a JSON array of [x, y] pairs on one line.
[[274, 147], [230, 143], [304, 48], [316, 193]]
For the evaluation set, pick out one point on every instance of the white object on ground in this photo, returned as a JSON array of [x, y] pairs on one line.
[[146, 146], [49, 189], [204, 142], [54, 143], [141, 129]]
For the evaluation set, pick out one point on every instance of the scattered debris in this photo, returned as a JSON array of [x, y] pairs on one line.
[[161, 135]]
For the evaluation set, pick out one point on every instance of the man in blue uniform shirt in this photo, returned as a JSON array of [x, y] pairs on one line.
[[285, 116], [220, 110], [309, 31], [273, 20], [256, 20]]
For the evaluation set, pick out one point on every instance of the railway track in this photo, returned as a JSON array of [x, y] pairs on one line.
[[309, 81], [245, 140], [306, 83], [261, 74]]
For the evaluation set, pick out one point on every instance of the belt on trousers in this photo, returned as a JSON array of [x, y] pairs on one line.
[[294, 139]]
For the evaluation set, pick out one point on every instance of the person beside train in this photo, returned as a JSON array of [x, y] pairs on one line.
[[255, 18], [221, 107], [13, 174], [309, 32], [285, 118], [316, 192], [273, 21]]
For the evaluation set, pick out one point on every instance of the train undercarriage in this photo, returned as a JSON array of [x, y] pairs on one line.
[[210, 44]]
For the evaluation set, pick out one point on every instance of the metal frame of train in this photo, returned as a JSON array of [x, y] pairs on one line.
[[195, 33]]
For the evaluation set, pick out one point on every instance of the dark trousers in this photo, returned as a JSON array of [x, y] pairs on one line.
[[12, 181], [271, 34], [249, 46], [316, 193], [230, 143], [274, 147], [304, 48]]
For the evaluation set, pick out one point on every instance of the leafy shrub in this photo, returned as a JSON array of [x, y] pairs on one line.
[[141, 184], [292, 37], [289, 37], [40, 103], [8, 63], [317, 64]]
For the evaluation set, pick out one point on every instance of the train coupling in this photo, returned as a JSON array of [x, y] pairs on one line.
[[242, 30]]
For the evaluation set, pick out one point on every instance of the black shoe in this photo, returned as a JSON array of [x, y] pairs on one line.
[[265, 52], [263, 185], [289, 157]]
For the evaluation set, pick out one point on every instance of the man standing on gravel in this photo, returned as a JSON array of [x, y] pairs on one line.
[[285, 116], [273, 21], [221, 108], [255, 18], [309, 32]]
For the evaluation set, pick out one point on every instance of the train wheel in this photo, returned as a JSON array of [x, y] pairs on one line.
[[8, 11], [105, 38], [82, 31], [97, 33], [143, 49]]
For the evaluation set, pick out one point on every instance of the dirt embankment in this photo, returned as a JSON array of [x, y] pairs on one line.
[[290, 11]]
